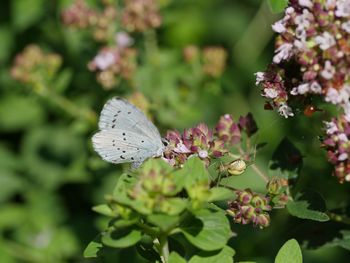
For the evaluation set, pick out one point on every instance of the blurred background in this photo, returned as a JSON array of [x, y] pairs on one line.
[[50, 177]]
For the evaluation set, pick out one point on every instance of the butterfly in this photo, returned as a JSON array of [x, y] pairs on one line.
[[126, 135]]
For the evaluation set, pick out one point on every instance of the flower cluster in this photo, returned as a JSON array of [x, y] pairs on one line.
[[212, 59], [250, 207], [207, 143], [113, 63], [311, 56], [337, 144], [141, 15], [33, 66]]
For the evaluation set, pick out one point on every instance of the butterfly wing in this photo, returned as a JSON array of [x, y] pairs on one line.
[[119, 113], [120, 146]]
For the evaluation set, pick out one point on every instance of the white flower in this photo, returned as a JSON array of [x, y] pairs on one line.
[[181, 148], [279, 26], [346, 26], [328, 70], [315, 87], [203, 154], [330, 4], [331, 127], [260, 77], [123, 40], [326, 40], [301, 44], [285, 110], [332, 96], [270, 93], [306, 3], [346, 108], [283, 52], [343, 8], [343, 137], [104, 60], [343, 157]]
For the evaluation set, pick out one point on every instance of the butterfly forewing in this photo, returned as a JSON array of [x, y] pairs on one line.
[[119, 113]]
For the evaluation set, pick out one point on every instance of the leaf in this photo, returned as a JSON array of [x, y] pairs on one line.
[[63, 80], [27, 113], [164, 222], [176, 258], [290, 252], [104, 210], [287, 159], [25, 13], [192, 173], [223, 256], [343, 242], [207, 229], [6, 42], [277, 6], [121, 238], [93, 248], [310, 205], [221, 193]]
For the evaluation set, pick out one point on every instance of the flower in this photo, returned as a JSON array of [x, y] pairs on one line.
[[311, 57], [141, 15], [337, 144], [250, 208], [123, 40], [214, 61]]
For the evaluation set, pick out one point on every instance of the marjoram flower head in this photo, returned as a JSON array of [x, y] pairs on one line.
[[311, 56]]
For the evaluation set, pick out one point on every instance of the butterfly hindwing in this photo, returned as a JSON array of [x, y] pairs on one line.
[[120, 146]]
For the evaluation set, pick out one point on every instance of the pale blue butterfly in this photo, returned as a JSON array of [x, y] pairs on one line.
[[126, 135]]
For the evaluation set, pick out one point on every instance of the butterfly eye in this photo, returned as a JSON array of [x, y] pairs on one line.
[[165, 142]]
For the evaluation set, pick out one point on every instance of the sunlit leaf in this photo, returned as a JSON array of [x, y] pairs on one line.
[[290, 252]]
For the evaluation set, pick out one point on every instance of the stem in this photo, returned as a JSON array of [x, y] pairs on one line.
[[164, 248], [151, 46], [339, 218], [260, 173], [67, 105]]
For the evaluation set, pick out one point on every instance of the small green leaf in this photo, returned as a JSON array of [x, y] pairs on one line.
[[25, 13], [310, 205], [287, 159], [208, 229], [104, 210], [164, 222], [224, 255], [290, 252], [93, 248], [221, 193], [176, 258], [121, 238], [277, 6], [343, 242]]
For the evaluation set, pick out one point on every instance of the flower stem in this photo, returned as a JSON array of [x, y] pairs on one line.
[[260, 173]]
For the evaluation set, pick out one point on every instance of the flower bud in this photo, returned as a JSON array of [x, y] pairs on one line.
[[236, 167]]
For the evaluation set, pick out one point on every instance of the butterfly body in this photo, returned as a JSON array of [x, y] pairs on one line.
[[126, 135]]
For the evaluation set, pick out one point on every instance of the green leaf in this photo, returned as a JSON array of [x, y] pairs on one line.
[[6, 42], [25, 13], [223, 256], [221, 193], [28, 112], [192, 173], [343, 242], [310, 205], [63, 80], [277, 6], [93, 248], [164, 222], [176, 258], [287, 159], [121, 238], [104, 210], [207, 229], [290, 252]]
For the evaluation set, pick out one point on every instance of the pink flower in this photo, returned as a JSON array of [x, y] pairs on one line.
[[343, 8], [105, 59], [284, 52], [325, 41], [123, 40], [328, 70]]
